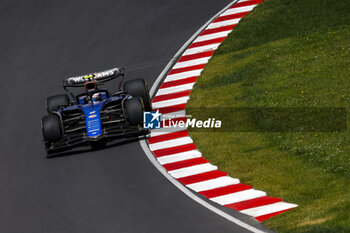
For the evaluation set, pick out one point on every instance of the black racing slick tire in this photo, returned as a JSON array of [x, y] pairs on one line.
[[56, 101], [134, 111], [138, 88], [51, 126]]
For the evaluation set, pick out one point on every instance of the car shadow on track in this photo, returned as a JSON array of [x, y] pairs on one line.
[[92, 148]]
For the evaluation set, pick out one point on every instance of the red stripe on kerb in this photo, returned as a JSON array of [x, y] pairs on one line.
[[185, 69], [247, 3], [196, 56], [225, 190], [215, 30], [183, 164], [171, 109], [167, 137], [202, 177], [179, 82], [174, 150], [171, 96], [207, 42], [267, 216], [260, 201], [229, 17]]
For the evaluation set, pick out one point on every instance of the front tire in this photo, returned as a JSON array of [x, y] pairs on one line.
[[134, 111], [51, 126], [138, 88], [56, 101]]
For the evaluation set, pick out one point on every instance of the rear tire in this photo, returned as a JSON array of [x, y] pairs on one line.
[[51, 126], [134, 111], [138, 88], [56, 101]]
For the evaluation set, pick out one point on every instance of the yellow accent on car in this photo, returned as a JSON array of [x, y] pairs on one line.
[[88, 76]]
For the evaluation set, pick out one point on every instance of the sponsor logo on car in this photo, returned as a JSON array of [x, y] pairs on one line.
[[92, 116], [89, 77]]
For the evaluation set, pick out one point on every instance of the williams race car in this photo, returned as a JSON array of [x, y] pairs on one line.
[[96, 115]]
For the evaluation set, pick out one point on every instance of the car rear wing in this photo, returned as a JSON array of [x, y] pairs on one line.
[[100, 77]]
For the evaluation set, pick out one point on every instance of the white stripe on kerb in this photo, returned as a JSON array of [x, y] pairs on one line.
[[238, 196], [213, 183], [171, 102], [183, 75], [179, 157], [193, 170], [268, 209], [224, 23], [170, 90], [201, 49], [193, 62], [238, 10], [163, 131], [212, 36], [170, 143]]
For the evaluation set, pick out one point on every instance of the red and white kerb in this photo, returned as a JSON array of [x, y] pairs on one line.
[[173, 147]]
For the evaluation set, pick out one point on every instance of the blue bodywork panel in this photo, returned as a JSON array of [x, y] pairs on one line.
[[92, 118], [92, 114]]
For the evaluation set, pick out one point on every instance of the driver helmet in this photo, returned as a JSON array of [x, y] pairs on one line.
[[96, 97]]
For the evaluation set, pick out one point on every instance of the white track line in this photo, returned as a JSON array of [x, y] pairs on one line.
[[170, 90], [268, 209], [201, 49], [179, 157], [212, 36], [238, 10], [238, 196], [213, 183], [193, 170], [171, 102], [170, 143], [193, 62], [224, 23]]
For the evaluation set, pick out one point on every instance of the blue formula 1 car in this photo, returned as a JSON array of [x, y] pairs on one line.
[[95, 116]]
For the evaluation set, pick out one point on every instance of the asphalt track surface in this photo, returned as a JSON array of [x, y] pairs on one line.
[[116, 189]]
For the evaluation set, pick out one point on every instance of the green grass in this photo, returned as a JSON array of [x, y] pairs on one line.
[[285, 54]]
